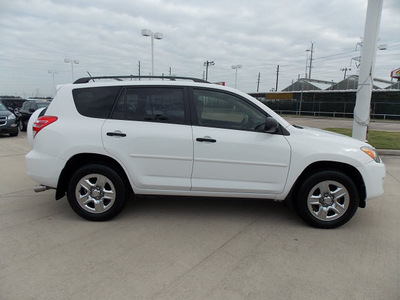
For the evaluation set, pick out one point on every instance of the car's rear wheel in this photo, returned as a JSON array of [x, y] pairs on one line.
[[96, 192], [327, 199]]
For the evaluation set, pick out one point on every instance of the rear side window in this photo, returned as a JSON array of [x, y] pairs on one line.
[[152, 104], [95, 102]]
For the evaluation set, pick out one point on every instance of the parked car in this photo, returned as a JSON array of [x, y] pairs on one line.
[[13, 104], [100, 141], [8, 121], [27, 109]]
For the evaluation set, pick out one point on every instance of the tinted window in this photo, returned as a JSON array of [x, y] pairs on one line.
[[2, 107], [151, 104], [41, 105], [95, 102], [27, 106], [218, 109]]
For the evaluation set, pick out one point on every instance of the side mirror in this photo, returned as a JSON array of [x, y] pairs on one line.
[[271, 125]]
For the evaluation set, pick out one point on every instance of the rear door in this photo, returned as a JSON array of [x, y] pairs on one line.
[[149, 132]]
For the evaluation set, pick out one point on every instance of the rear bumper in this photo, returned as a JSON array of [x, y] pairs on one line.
[[44, 168]]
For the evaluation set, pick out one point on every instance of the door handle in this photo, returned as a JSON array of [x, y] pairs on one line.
[[206, 140], [116, 133]]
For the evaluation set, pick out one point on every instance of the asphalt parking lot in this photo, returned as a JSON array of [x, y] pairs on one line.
[[184, 248]]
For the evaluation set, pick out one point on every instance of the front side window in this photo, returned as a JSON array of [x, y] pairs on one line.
[[153, 104], [223, 110]]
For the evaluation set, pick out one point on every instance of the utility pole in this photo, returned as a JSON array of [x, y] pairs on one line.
[[170, 71], [139, 69], [206, 64], [367, 65], [311, 59], [345, 72], [258, 81], [277, 78], [306, 72]]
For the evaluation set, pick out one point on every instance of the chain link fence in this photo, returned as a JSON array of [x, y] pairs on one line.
[[384, 104]]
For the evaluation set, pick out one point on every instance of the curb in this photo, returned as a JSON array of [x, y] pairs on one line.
[[387, 152]]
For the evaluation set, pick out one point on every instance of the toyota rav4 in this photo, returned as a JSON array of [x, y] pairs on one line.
[[98, 142]]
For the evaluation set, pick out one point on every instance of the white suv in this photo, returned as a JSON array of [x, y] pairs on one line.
[[100, 141]]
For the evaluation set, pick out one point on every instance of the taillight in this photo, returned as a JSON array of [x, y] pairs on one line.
[[41, 123]]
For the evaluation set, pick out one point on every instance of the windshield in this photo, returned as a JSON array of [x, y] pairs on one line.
[[41, 105], [2, 107]]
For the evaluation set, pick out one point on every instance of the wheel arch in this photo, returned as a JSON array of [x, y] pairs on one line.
[[82, 159], [349, 170]]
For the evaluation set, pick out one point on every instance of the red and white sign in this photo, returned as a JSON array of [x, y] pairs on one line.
[[395, 73]]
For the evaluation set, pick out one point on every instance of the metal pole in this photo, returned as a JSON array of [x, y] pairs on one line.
[[277, 78], [206, 64], [72, 67], [236, 77], [365, 80], [152, 54], [305, 74], [311, 59]]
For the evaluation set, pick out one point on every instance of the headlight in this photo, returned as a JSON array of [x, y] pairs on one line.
[[11, 117], [371, 153]]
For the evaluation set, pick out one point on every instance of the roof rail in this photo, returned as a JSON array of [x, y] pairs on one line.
[[119, 78]]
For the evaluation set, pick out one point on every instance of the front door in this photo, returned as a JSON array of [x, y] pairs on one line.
[[231, 154]]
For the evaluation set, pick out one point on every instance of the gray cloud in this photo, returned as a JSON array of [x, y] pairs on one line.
[[105, 37]]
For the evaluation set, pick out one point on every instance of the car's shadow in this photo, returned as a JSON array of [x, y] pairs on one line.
[[210, 207]]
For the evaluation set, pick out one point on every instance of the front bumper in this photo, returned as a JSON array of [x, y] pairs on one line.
[[9, 127], [374, 175]]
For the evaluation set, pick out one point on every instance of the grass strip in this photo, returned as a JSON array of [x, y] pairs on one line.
[[378, 139]]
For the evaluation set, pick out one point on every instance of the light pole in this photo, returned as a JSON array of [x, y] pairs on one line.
[[207, 64], [157, 36], [236, 67], [345, 72], [72, 62], [54, 82]]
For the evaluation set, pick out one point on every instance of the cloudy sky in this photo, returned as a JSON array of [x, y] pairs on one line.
[[105, 37]]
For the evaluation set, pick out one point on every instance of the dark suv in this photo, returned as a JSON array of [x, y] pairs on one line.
[[8, 121], [28, 108], [13, 104]]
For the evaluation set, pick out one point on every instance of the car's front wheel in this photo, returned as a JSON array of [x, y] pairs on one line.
[[96, 192], [22, 125], [327, 199]]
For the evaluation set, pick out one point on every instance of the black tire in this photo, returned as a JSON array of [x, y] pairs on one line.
[[22, 125], [327, 199], [101, 190]]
